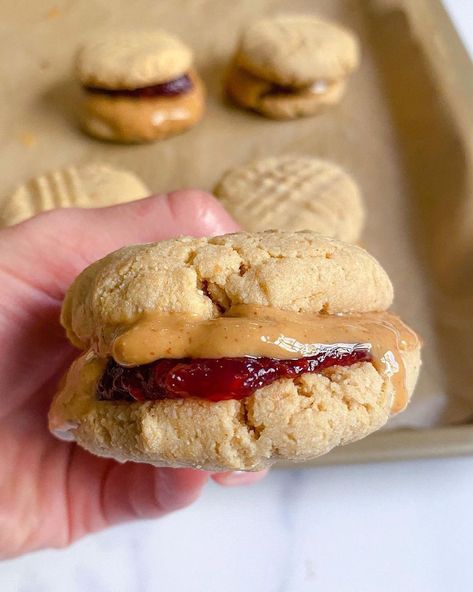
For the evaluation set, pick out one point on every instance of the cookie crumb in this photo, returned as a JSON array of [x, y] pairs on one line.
[[28, 139], [53, 13], [309, 569]]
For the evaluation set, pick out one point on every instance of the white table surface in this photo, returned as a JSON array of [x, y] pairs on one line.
[[371, 528]]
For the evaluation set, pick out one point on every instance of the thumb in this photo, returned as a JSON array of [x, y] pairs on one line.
[[160, 217], [63, 242]]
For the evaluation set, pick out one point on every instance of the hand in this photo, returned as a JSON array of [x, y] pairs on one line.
[[52, 492]]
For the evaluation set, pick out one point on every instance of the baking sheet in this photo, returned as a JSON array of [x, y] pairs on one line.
[[403, 130]]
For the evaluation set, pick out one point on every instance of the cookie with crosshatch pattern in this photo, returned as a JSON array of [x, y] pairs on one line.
[[91, 185], [293, 193]]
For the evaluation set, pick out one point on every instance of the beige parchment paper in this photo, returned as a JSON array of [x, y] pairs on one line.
[[389, 101]]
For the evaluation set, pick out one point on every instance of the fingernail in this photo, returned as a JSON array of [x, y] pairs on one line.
[[235, 478]]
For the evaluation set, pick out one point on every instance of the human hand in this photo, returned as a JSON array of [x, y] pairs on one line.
[[53, 492]]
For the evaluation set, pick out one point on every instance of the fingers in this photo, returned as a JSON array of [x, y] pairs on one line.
[[61, 243], [102, 493], [187, 212], [233, 478], [142, 491]]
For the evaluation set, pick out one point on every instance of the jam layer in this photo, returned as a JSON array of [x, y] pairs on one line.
[[172, 88], [318, 88], [217, 379]]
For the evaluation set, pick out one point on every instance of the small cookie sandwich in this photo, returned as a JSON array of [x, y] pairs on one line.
[[232, 352], [293, 193], [292, 66], [93, 185], [138, 87]]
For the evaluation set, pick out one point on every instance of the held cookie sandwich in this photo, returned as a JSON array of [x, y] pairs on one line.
[[138, 86], [293, 193], [232, 352], [292, 66], [90, 185]]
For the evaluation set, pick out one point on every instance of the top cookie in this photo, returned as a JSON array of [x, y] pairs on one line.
[[297, 50], [293, 193], [133, 59], [296, 271]]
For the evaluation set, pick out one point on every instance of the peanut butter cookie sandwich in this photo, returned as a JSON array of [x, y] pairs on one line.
[[292, 66], [139, 86], [294, 193], [232, 352]]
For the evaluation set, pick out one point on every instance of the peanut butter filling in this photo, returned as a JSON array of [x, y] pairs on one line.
[[146, 117], [251, 89], [248, 330]]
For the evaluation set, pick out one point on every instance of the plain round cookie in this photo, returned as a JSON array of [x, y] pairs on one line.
[[291, 420], [294, 271], [297, 50], [293, 193], [87, 186], [132, 59]]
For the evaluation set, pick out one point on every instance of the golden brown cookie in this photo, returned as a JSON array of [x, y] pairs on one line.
[[91, 185], [291, 66], [293, 193], [232, 352], [132, 59], [138, 87], [294, 271]]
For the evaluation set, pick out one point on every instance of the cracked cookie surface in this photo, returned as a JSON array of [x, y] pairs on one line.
[[293, 420], [295, 271]]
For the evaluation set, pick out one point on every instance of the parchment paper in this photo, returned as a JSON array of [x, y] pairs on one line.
[[368, 133]]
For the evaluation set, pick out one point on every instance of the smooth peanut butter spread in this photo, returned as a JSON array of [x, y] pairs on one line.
[[248, 330]]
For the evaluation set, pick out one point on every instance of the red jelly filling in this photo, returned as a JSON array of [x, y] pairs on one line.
[[216, 379], [172, 88]]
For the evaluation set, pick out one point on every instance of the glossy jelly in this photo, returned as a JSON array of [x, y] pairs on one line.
[[217, 379], [172, 88]]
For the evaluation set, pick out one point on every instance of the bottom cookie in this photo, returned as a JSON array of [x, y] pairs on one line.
[[290, 420], [262, 96]]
